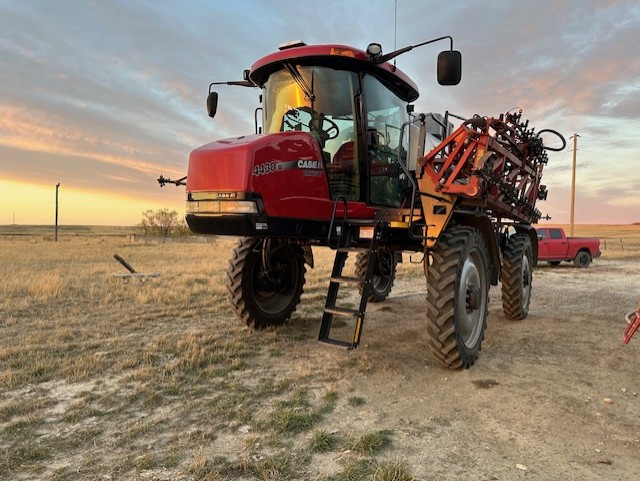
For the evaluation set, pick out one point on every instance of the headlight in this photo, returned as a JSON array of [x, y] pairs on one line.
[[238, 207], [222, 207]]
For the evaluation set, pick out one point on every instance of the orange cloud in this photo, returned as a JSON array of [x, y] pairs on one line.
[[20, 129]]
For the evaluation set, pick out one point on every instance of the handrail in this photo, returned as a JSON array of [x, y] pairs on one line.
[[405, 169], [333, 216]]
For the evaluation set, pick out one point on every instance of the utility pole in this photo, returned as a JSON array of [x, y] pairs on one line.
[[573, 183], [56, 231]]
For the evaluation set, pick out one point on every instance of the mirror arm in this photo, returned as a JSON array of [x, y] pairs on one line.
[[390, 55], [239, 83]]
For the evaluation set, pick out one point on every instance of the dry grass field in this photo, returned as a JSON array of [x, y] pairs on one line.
[[109, 378]]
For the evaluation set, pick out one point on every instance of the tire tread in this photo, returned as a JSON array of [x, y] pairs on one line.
[[444, 344]]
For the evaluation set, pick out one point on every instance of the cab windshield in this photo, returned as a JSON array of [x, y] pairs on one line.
[[328, 113], [321, 101]]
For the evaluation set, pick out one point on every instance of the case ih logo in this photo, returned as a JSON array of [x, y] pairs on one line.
[[273, 166], [310, 164], [225, 195]]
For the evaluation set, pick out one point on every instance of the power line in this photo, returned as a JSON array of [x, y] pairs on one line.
[[564, 168], [608, 154], [556, 168]]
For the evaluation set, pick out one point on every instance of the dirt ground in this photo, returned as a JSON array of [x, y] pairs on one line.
[[104, 379], [552, 397]]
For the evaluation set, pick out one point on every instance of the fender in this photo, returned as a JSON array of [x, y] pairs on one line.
[[482, 222]]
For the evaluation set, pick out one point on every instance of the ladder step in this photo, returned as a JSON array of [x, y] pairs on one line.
[[341, 311], [353, 237], [347, 280], [338, 343]]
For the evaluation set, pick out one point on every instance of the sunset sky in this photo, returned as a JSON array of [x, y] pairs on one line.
[[104, 96]]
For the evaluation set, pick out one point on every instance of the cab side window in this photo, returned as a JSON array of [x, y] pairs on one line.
[[555, 233]]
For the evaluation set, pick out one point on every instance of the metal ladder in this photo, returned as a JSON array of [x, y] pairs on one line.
[[348, 233]]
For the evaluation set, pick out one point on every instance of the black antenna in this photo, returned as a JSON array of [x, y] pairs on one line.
[[395, 28]]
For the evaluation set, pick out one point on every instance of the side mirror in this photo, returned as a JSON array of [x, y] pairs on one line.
[[449, 67], [212, 104]]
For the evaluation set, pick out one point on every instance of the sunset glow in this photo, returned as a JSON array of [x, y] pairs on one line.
[[35, 204], [105, 97]]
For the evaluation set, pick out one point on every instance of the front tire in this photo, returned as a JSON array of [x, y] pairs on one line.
[[517, 276], [458, 297], [384, 273], [265, 281]]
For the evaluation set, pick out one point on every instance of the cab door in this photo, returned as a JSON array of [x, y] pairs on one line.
[[543, 244], [558, 244], [385, 115]]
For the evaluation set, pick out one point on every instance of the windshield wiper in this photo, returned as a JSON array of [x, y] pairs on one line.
[[297, 77]]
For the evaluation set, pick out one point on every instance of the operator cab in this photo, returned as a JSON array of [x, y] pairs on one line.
[[335, 123], [353, 107]]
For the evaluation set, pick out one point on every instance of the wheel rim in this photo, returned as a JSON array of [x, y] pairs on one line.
[[471, 299], [526, 280], [275, 290], [383, 273]]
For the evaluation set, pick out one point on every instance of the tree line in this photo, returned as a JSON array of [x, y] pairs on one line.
[[163, 223]]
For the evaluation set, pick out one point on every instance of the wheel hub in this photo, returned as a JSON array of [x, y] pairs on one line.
[[471, 304], [474, 297], [526, 281]]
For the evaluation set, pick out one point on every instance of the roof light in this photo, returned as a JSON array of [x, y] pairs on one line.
[[292, 44], [342, 51], [374, 50]]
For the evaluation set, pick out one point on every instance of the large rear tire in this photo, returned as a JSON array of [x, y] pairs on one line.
[[384, 273], [265, 281], [517, 276], [458, 297]]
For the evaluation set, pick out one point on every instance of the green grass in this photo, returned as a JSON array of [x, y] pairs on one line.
[[322, 442], [372, 470], [297, 415], [290, 421], [279, 467], [370, 443], [329, 400], [392, 471], [356, 401], [355, 470]]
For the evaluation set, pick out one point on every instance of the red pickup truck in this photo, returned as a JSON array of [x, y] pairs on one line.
[[554, 247]]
